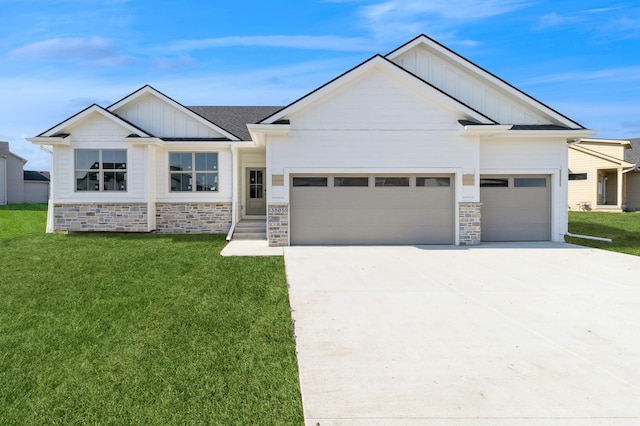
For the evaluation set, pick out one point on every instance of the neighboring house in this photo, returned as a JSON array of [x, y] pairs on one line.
[[18, 185], [632, 155], [599, 175], [420, 146]]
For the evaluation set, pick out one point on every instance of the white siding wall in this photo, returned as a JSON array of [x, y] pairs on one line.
[[15, 180], [98, 132], [470, 89], [163, 120], [532, 156], [375, 122], [225, 183]]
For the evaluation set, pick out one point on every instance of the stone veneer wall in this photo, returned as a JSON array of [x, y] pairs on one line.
[[102, 217], [469, 221], [278, 225], [193, 218]]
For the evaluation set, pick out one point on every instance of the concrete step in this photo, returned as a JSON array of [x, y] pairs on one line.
[[249, 236], [251, 226]]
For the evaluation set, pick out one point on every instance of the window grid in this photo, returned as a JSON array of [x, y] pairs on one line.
[[100, 170], [185, 168]]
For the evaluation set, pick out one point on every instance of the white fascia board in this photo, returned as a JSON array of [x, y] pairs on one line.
[[259, 132], [150, 90], [625, 143], [93, 109], [144, 141], [208, 144], [51, 140], [569, 135], [485, 130]]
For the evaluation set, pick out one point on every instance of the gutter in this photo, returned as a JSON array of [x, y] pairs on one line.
[[587, 237]]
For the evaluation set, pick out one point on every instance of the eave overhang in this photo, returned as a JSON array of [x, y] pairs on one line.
[[61, 139], [259, 132]]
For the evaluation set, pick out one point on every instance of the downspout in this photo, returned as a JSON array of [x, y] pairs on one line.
[[234, 192], [49, 228]]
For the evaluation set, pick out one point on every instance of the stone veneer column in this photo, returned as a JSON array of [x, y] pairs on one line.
[[278, 225], [469, 222]]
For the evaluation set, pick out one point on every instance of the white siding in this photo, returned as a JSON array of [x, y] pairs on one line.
[[375, 122], [473, 90], [225, 183], [98, 132], [163, 120], [3, 181]]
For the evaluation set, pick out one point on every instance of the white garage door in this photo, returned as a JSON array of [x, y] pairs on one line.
[[516, 208], [372, 209]]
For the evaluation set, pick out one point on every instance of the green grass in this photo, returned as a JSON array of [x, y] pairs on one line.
[[140, 329], [622, 228]]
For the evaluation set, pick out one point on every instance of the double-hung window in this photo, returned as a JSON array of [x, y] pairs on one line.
[[100, 169], [193, 171]]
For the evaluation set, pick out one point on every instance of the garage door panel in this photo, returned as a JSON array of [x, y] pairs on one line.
[[516, 213], [372, 215]]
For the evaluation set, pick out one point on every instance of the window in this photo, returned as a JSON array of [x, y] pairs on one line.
[[577, 176], [193, 171], [432, 182], [494, 183], [309, 181], [101, 169], [392, 181], [351, 181], [530, 182]]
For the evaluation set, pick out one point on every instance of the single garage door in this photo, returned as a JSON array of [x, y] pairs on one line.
[[372, 209], [515, 208]]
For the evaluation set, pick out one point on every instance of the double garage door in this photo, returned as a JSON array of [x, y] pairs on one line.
[[372, 209], [416, 209]]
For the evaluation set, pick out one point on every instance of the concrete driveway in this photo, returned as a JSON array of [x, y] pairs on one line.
[[499, 334]]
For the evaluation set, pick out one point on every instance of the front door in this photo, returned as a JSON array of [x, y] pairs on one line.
[[256, 200]]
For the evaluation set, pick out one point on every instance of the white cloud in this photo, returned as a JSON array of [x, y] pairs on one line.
[[619, 74], [307, 42], [169, 64], [87, 51]]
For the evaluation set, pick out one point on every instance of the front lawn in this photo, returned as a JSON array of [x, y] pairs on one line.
[[623, 228], [140, 329]]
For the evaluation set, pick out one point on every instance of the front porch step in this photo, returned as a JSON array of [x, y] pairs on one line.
[[250, 229]]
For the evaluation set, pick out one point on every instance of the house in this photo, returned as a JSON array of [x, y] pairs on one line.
[[419, 146], [18, 185], [602, 176], [632, 155]]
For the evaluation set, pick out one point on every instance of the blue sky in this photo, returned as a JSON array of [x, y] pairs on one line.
[[59, 56]]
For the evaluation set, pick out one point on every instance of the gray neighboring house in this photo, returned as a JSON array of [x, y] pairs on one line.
[[633, 178], [18, 185]]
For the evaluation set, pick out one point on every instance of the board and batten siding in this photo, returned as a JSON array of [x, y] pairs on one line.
[[98, 133], [163, 120], [468, 88]]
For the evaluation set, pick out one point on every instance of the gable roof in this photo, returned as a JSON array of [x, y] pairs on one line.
[[494, 80], [377, 60], [147, 89], [32, 175], [620, 162], [235, 118], [93, 109]]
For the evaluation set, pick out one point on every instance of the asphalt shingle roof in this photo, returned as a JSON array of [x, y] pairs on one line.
[[35, 176], [633, 155], [234, 119]]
